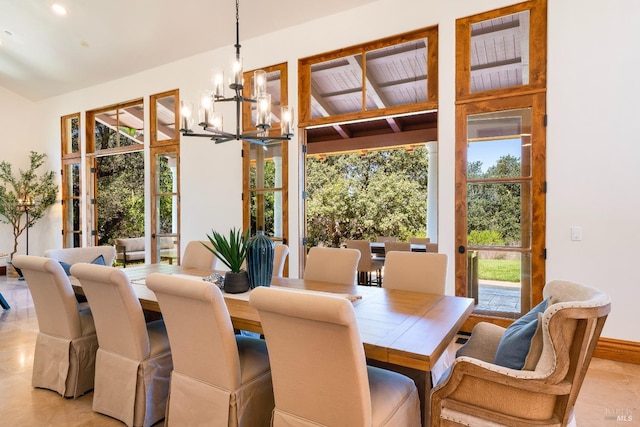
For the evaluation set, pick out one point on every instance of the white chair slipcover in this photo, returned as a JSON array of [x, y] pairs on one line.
[[133, 362], [65, 353]]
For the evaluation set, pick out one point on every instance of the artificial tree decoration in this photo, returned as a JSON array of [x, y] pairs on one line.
[[26, 191]]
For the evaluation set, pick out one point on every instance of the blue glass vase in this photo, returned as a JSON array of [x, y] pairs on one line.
[[260, 260]]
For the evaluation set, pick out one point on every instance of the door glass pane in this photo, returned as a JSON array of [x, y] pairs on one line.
[[495, 214], [266, 213], [71, 139], [120, 196], [120, 127], [266, 166], [499, 281], [500, 52], [165, 118], [131, 125], [397, 75], [336, 86], [166, 207], [106, 135]]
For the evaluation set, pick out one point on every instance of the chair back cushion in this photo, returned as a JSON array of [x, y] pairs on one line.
[[118, 316], [280, 253], [317, 359], [416, 271], [333, 265], [53, 296], [364, 246], [203, 343], [198, 257]]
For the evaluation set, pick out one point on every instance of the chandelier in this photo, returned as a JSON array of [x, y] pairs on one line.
[[211, 121]]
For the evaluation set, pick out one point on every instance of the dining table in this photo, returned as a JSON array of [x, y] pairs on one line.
[[404, 331]]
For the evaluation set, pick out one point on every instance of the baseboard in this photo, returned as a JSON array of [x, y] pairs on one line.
[[619, 350]]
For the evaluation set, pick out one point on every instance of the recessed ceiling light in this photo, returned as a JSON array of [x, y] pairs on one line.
[[59, 9]]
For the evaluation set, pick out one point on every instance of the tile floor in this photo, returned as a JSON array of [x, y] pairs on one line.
[[610, 395]]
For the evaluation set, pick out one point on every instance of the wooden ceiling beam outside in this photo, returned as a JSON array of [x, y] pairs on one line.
[[373, 142]]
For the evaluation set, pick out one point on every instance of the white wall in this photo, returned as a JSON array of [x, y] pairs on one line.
[[592, 145], [593, 149], [18, 136]]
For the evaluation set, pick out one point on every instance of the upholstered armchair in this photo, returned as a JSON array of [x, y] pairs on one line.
[[478, 392]]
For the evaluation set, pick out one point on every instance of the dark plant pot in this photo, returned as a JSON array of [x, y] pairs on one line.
[[13, 272], [235, 283]]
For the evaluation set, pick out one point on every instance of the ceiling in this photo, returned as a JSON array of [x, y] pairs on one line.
[[43, 54]]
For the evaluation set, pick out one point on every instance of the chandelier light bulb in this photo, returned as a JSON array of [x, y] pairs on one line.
[[186, 110], [263, 117], [217, 79], [259, 83], [286, 120]]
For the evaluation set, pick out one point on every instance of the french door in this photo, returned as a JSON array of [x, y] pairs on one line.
[[500, 204], [165, 204]]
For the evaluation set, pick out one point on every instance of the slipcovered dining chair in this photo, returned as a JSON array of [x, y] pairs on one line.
[[197, 256], [333, 265], [319, 370], [416, 271], [529, 374], [396, 247], [419, 240], [280, 253], [133, 362], [367, 264], [65, 353], [216, 375]]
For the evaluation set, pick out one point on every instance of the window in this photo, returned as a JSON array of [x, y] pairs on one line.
[[385, 77], [116, 165]]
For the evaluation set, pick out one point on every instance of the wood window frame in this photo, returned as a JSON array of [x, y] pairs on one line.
[[304, 78], [537, 52]]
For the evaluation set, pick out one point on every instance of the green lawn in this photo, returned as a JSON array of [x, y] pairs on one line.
[[499, 269]]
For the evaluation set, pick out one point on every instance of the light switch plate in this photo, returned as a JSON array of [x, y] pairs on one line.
[[576, 233]]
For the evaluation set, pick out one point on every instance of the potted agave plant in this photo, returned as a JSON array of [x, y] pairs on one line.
[[232, 251]]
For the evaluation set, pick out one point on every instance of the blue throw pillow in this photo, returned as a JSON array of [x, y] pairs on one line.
[[99, 260], [66, 267], [516, 341]]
